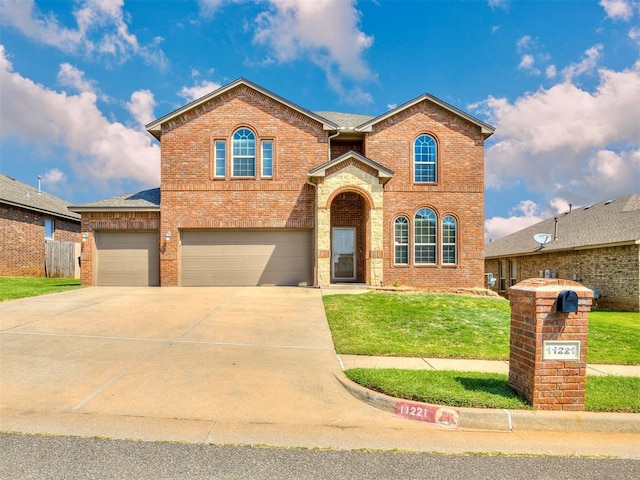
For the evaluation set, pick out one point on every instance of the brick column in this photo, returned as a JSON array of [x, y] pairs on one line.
[[551, 378]]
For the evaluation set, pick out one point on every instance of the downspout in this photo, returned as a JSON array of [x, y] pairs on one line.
[[329, 144]]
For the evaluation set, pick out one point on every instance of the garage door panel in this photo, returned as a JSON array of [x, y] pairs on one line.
[[127, 258], [246, 257]]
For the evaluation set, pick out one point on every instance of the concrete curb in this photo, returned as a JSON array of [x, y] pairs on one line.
[[508, 420]]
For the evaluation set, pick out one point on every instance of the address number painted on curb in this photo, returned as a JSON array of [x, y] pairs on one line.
[[448, 417]]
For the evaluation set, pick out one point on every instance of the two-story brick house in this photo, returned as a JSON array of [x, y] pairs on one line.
[[258, 190]]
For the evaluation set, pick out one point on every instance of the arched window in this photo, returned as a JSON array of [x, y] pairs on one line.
[[425, 159], [449, 240], [401, 241], [425, 235], [244, 153]]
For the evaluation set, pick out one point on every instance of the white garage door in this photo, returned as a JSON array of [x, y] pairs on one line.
[[249, 257], [127, 258]]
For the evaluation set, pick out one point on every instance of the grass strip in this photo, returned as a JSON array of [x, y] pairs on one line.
[[21, 287], [488, 390]]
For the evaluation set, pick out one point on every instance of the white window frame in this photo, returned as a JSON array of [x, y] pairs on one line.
[[428, 155], [447, 242], [401, 239], [219, 158], [263, 171], [429, 224], [51, 228], [246, 154]]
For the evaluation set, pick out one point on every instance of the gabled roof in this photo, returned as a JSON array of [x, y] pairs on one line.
[[485, 128], [155, 127], [610, 223], [321, 170], [146, 200], [18, 194]]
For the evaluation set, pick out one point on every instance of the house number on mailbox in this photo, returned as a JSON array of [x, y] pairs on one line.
[[561, 350]]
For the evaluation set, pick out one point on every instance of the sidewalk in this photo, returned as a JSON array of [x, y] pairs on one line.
[[414, 363]]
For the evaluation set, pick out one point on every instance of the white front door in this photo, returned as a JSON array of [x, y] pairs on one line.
[[343, 253]]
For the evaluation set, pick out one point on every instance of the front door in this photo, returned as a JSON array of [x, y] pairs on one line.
[[343, 254]]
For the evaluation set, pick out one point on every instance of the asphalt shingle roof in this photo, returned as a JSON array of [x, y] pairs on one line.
[[14, 192], [605, 223], [144, 200], [345, 120]]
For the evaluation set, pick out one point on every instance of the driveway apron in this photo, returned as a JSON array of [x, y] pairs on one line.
[[224, 354]]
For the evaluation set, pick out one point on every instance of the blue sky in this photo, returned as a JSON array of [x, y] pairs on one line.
[[560, 81]]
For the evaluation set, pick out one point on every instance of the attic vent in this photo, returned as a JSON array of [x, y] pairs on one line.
[[608, 202], [588, 207]]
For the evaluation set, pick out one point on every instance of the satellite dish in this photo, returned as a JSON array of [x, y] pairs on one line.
[[542, 238]]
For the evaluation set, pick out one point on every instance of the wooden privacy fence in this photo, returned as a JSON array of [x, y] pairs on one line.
[[61, 259]]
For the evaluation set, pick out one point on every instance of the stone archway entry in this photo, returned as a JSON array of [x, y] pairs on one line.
[[348, 238]]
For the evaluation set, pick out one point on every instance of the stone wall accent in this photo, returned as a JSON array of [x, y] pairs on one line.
[[612, 272], [22, 240], [547, 384]]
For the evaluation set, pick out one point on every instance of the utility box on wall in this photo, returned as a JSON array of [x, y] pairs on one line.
[[548, 343]]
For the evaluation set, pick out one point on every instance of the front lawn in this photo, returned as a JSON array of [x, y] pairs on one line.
[[488, 390], [20, 287], [457, 326]]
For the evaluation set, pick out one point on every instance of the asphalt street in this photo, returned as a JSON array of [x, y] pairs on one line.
[[47, 457]]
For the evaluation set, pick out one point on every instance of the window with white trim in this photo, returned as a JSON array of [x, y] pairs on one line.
[[425, 159], [220, 159], [425, 235], [401, 241], [266, 155], [449, 240], [244, 153]]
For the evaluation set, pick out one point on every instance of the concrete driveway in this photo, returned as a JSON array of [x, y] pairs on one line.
[[239, 365]]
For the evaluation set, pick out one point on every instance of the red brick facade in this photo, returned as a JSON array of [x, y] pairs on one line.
[[22, 237], [549, 384], [194, 197]]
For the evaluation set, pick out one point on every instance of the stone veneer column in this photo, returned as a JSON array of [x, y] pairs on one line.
[[549, 379]]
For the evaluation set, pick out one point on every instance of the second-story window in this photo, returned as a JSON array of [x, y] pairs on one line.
[[267, 158], [244, 153], [425, 159], [220, 158]]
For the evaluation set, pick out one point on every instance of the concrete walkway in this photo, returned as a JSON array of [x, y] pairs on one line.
[[413, 363], [233, 365]]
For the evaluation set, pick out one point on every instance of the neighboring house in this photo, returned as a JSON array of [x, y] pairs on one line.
[[28, 218], [597, 245], [256, 190]]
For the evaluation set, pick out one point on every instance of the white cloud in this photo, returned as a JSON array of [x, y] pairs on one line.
[[100, 30], [523, 215], [551, 71], [618, 9], [526, 213], [199, 90], [141, 106], [497, 3], [54, 179], [523, 42], [587, 65], [568, 141], [69, 76], [101, 151], [527, 63], [324, 31]]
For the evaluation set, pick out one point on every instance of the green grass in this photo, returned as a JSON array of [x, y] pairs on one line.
[[457, 326], [20, 287], [426, 325], [614, 337], [489, 390]]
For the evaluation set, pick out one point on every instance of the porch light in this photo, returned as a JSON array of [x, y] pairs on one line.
[[167, 236], [85, 237]]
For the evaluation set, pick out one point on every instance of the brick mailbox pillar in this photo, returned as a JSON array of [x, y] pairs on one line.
[[548, 346]]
